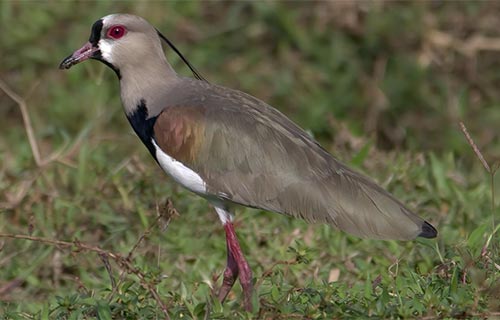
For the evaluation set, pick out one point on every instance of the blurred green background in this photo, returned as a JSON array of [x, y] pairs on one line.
[[382, 85]]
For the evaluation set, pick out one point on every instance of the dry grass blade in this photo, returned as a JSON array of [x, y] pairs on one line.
[[64, 244], [7, 288], [474, 147], [469, 47], [14, 198], [492, 171], [26, 119], [107, 265], [35, 150], [166, 213]]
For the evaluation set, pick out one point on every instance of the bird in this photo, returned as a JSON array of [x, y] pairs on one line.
[[234, 149]]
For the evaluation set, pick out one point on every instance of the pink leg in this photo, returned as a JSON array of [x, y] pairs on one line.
[[230, 275], [236, 262]]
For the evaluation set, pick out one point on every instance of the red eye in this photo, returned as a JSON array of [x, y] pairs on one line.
[[116, 32]]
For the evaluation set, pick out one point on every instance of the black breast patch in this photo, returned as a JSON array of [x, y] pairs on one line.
[[143, 126]]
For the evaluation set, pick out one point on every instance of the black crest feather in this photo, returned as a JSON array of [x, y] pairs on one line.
[[196, 74]]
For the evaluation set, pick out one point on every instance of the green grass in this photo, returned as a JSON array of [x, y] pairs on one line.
[[370, 81]]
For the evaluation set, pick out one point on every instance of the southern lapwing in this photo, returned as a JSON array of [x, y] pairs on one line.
[[232, 148]]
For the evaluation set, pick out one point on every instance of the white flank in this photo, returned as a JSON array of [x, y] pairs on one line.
[[180, 173]]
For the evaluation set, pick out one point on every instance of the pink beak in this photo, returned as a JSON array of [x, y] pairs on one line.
[[84, 53]]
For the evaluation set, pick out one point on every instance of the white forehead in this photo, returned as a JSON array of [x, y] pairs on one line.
[[112, 18], [126, 19], [106, 19]]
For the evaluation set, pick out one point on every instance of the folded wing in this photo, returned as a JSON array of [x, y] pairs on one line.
[[249, 153]]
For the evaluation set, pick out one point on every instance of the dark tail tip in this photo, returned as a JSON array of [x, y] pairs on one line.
[[428, 231]]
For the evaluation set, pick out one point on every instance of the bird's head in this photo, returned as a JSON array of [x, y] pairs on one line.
[[124, 41], [119, 40]]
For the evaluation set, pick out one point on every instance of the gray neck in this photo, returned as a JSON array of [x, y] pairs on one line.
[[149, 82]]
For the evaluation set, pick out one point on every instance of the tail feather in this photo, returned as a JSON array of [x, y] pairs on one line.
[[428, 231]]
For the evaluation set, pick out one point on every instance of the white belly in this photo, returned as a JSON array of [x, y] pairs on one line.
[[179, 172]]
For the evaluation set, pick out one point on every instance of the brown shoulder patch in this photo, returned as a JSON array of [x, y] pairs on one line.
[[179, 132]]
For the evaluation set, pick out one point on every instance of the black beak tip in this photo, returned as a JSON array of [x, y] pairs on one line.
[[66, 63]]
